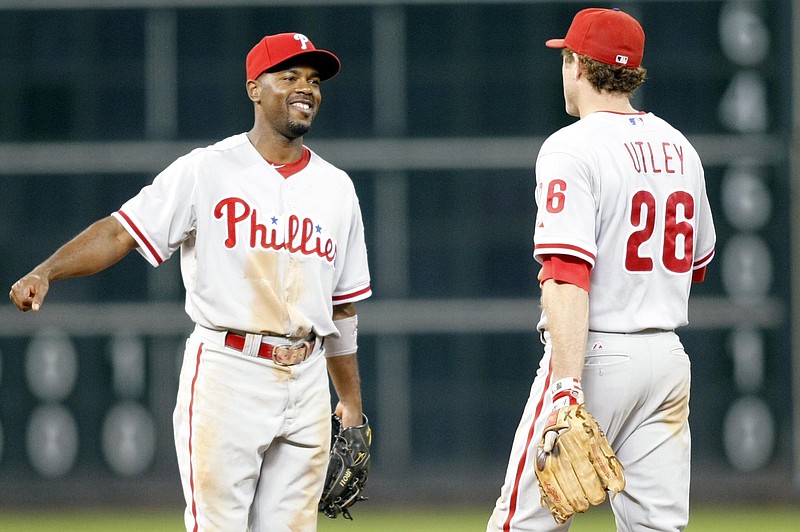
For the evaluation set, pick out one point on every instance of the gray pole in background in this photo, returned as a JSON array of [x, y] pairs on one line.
[[794, 173]]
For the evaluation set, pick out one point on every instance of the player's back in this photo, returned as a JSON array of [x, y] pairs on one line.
[[640, 189]]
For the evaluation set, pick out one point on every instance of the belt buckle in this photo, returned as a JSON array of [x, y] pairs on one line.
[[294, 353]]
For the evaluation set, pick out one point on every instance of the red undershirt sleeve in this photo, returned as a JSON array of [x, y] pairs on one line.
[[572, 270], [699, 275], [566, 269]]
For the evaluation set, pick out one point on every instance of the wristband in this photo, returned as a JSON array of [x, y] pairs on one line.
[[567, 392], [347, 343]]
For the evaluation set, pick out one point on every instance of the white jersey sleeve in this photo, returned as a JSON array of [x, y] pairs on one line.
[[626, 193], [565, 192], [161, 216], [352, 279]]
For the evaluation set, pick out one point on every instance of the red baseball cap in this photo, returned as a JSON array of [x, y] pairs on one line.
[[610, 36], [273, 50]]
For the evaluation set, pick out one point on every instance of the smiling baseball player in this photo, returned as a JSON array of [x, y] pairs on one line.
[[623, 227], [273, 260]]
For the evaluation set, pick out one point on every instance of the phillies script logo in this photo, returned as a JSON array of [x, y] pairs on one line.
[[298, 236]]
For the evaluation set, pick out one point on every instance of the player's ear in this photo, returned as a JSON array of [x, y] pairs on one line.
[[253, 90], [576, 62]]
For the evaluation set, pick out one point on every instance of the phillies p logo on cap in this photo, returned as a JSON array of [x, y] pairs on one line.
[[283, 49], [303, 40]]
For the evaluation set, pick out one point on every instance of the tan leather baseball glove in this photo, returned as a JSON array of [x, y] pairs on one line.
[[581, 466]]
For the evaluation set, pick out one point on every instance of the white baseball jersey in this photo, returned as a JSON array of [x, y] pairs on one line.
[[626, 193], [260, 253]]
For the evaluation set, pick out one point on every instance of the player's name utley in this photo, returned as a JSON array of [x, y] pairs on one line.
[[663, 157], [296, 236]]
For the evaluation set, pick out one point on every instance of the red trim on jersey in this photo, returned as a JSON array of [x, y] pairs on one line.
[[554, 248], [512, 504], [635, 113], [141, 236], [566, 269], [191, 415], [289, 169], [705, 260], [699, 272], [342, 297]]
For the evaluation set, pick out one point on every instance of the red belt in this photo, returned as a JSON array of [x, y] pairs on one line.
[[287, 354]]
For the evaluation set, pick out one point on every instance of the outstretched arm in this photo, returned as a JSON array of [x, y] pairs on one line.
[[343, 370], [99, 246]]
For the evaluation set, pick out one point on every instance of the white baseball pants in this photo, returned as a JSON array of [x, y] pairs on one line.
[[637, 387], [252, 438]]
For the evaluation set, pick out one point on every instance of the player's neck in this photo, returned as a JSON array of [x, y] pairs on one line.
[[614, 103], [276, 150]]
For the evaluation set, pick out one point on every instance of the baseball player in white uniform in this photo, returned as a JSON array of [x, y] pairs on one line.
[[273, 260], [623, 228]]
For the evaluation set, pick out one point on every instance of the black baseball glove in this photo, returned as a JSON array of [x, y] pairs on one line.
[[348, 468]]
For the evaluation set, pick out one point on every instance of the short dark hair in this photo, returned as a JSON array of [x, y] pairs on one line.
[[609, 78]]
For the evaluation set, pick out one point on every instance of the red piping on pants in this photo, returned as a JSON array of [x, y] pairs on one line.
[[191, 415], [512, 509]]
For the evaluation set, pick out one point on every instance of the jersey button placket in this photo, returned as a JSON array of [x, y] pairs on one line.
[[289, 196], [289, 200]]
